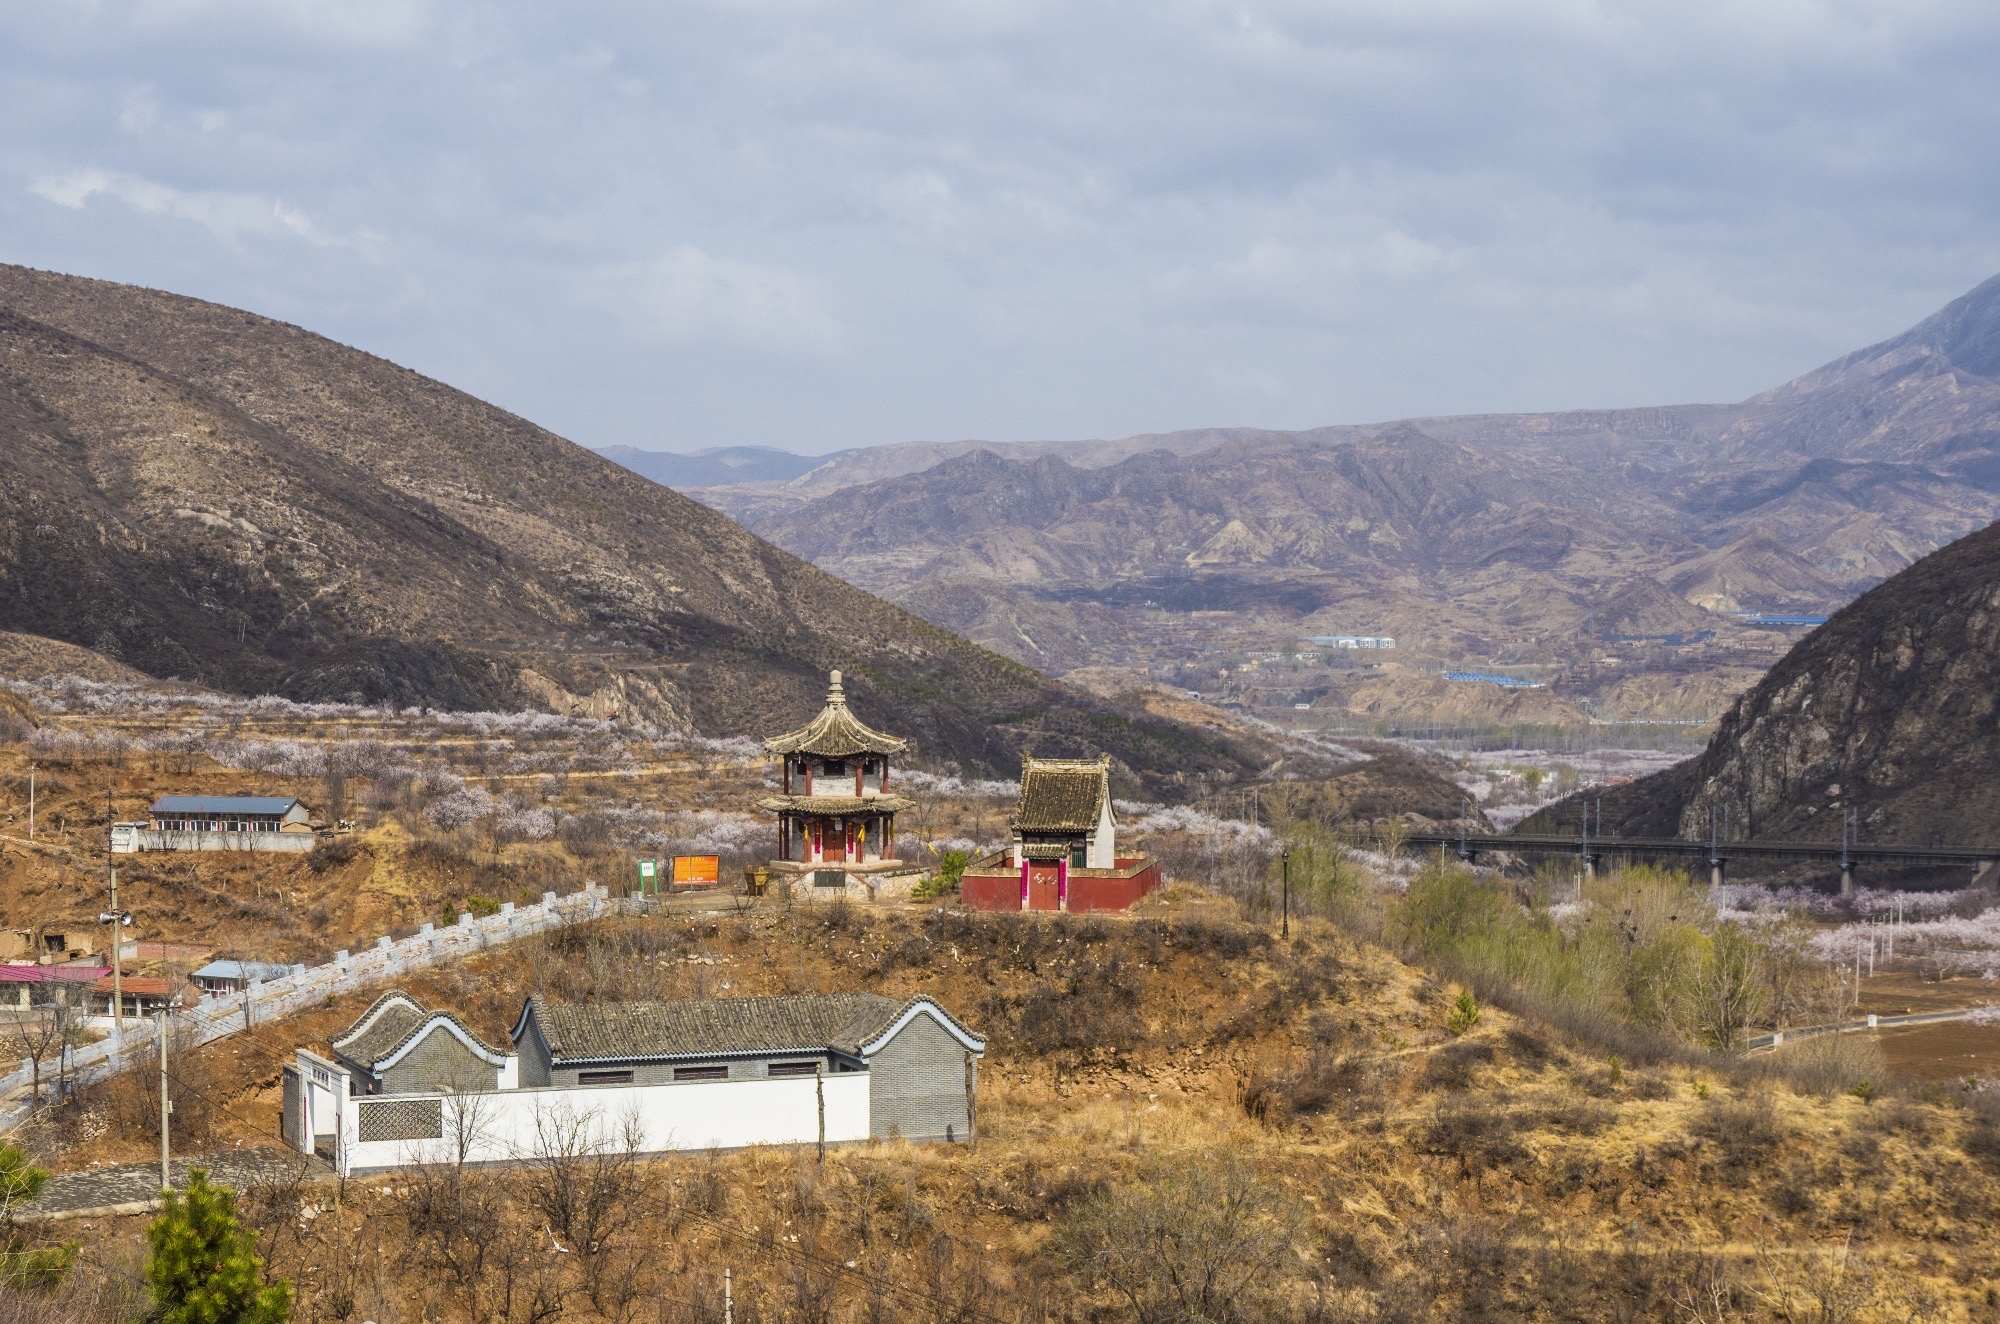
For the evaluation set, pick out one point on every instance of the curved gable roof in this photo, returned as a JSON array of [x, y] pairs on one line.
[[396, 1023], [869, 1034]]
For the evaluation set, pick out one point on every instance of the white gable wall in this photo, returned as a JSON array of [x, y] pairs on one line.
[[1103, 852]]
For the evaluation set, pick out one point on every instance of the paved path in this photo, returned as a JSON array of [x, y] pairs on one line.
[[1763, 1041], [135, 1187]]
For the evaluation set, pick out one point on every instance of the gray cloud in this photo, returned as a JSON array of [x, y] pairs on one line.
[[819, 224]]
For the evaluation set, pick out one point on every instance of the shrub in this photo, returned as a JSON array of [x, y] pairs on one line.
[[329, 853], [1746, 1130], [1464, 1013], [1451, 1068], [1203, 1239], [203, 1265]]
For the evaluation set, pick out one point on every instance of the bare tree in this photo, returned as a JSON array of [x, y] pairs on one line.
[[1727, 992], [44, 1031], [588, 1193], [1198, 1241]]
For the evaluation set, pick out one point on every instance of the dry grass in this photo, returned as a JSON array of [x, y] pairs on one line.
[[1513, 1172]]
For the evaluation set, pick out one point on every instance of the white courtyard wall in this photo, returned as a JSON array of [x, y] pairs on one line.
[[506, 1126]]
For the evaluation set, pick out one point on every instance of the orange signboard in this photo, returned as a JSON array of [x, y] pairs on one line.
[[697, 870]]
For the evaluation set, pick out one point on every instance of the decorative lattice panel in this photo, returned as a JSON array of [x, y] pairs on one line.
[[403, 1119]]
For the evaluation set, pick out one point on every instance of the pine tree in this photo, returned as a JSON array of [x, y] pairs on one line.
[[204, 1267]]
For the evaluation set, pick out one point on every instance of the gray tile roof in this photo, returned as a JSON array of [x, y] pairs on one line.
[[836, 733], [806, 1022], [401, 1018], [717, 1027], [1062, 795]]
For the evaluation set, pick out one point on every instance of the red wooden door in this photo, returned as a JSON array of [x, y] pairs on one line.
[[1042, 892], [836, 843]]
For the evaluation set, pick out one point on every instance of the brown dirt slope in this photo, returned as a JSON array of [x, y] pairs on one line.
[[1507, 1172]]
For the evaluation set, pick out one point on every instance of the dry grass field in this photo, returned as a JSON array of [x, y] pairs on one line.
[[1294, 1121]]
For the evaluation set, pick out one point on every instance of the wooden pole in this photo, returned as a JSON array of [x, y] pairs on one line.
[[31, 802], [166, 1106], [971, 1104], [819, 1093], [1285, 929], [117, 929]]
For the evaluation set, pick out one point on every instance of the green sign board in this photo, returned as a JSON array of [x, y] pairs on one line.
[[649, 875]]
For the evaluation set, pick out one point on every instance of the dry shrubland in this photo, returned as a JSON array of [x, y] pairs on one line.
[[1182, 1117]]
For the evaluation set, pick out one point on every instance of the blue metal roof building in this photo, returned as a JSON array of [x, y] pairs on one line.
[[224, 806]]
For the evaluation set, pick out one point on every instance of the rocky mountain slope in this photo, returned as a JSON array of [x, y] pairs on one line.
[[1544, 539], [1891, 708], [198, 492]]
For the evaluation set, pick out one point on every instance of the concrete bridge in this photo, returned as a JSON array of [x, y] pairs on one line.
[[1981, 860]]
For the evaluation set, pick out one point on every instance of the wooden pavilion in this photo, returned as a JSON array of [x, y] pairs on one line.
[[836, 815]]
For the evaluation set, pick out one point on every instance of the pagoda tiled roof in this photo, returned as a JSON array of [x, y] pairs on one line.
[[836, 733], [834, 804]]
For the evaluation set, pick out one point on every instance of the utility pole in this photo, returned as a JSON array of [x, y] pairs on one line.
[[166, 1107], [31, 802], [1285, 872], [118, 921], [819, 1093], [1850, 836], [728, 1297]]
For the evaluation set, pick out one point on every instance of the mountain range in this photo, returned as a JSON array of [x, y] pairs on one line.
[[1890, 710], [1612, 552], [197, 492]]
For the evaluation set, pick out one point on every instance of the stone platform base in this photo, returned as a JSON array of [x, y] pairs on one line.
[[869, 880]]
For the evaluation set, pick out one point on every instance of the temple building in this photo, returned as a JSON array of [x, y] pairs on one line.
[[1064, 855], [836, 817]]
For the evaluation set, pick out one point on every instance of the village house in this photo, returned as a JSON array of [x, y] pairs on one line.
[[49, 944], [405, 1084], [141, 995], [28, 984], [222, 978], [836, 815], [219, 822], [1064, 854]]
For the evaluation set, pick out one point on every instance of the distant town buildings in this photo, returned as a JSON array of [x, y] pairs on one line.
[[1352, 641]]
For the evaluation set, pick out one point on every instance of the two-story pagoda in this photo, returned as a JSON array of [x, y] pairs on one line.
[[836, 817]]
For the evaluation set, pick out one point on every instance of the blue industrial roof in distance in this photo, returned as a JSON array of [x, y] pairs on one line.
[[224, 804], [1779, 618], [242, 970], [1504, 682]]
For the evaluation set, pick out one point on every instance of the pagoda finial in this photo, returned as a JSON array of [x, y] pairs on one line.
[[834, 694]]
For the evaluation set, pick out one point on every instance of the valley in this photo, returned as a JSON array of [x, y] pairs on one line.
[[1629, 560]]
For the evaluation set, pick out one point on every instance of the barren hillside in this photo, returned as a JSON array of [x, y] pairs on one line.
[[198, 492]]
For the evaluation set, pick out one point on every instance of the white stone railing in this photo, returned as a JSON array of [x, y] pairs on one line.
[[215, 1017]]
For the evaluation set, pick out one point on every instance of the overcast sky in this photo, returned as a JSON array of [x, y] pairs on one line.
[[816, 225]]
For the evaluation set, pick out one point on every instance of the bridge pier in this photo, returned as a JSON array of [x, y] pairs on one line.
[[1847, 878], [1590, 866], [1715, 864], [1984, 877]]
